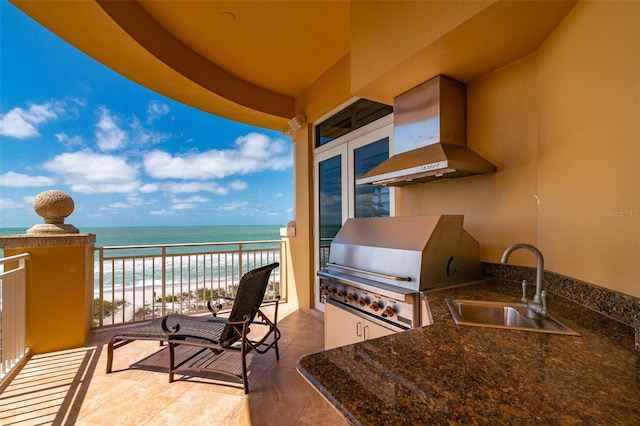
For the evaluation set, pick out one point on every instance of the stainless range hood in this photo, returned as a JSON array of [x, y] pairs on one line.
[[429, 137]]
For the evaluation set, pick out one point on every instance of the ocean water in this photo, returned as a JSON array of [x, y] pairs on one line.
[[143, 235], [143, 266], [147, 235]]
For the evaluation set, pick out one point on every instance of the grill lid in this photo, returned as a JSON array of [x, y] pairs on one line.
[[411, 252]]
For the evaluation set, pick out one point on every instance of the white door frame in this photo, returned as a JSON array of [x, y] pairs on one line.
[[345, 146]]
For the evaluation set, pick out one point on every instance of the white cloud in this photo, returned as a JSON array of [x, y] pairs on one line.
[[190, 187], [131, 202], [156, 110], [233, 206], [184, 206], [161, 212], [19, 180], [104, 188], [145, 137], [238, 185], [92, 167], [135, 201], [88, 172], [149, 188], [253, 153], [6, 203], [109, 135], [21, 124], [278, 195], [114, 133], [69, 140], [120, 205], [193, 199]]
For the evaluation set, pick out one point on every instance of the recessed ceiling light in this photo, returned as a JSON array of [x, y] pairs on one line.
[[228, 16]]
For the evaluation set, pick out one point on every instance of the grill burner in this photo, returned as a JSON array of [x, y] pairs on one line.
[[379, 267]]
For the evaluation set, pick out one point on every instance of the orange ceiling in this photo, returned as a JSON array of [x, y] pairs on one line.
[[252, 61]]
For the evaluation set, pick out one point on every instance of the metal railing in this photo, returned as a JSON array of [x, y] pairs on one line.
[[12, 313], [143, 282]]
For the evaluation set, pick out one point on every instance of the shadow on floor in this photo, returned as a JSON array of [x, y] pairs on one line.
[[71, 387]]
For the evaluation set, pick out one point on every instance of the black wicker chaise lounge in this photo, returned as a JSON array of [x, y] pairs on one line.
[[218, 335]]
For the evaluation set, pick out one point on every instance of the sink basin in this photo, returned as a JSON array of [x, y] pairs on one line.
[[511, 316]]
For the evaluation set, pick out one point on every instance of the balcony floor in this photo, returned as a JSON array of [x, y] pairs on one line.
[[71, 387]]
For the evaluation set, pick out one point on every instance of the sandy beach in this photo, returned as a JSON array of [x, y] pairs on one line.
[[145, 301]]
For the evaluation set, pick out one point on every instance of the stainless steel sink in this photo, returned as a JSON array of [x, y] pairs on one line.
[[512, 316]]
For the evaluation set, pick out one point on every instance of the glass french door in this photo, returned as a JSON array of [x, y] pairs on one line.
[[337, 197], [332, 208]]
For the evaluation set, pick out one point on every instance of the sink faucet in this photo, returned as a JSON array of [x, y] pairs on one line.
[[538, 306]]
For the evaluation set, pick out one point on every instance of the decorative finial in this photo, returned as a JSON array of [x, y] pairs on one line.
[[54, 206]]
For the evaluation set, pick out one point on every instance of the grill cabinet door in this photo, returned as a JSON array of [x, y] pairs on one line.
[[343, 328]]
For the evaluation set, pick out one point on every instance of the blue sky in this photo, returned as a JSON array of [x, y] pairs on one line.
[[126, 155]]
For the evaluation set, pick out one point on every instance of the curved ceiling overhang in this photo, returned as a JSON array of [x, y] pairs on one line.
[[87, 26], [147, 32], [263, 62]]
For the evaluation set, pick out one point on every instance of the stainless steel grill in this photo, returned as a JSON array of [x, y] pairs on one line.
[[379, 267]]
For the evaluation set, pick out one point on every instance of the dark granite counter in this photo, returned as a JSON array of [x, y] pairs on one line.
[[449, 374]]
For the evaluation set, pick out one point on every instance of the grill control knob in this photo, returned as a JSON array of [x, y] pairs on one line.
[[330, 290], [350, 297], [388, 312], [323, 288], [362, 301], [375, 306], [340, 293]]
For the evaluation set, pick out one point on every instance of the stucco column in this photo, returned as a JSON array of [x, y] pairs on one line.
[[59, 277]]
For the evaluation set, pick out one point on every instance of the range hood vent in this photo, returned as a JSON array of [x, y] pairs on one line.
[[429, 137]]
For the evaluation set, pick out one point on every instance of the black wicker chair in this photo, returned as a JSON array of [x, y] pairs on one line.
[[216, 334]]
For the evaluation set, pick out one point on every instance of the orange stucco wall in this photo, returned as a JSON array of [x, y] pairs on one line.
[[563, 127], [59, 292], [589, 145], [500, 209]]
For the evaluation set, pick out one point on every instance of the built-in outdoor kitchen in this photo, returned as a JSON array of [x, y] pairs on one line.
[[419, 331], [448, 373], [378, 268]]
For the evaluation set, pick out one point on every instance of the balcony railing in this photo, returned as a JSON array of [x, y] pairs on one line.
[[143, 282], [12, 314]]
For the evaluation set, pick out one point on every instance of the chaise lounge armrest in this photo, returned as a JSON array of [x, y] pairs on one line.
[[214, 308]]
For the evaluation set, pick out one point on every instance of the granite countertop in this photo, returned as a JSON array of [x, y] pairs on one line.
[[449, 374]]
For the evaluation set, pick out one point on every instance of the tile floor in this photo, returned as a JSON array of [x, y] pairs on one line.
[[71, 387]]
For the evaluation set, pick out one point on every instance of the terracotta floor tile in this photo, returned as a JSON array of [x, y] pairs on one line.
[[198, 407], [264, 412], [290, 356], [72, 387], [321, 417], [282, 384]]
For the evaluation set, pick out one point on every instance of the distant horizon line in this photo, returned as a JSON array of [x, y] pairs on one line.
[[144, 226]]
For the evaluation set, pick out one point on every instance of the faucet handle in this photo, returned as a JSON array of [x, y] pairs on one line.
[[545, 302], [524, 291]]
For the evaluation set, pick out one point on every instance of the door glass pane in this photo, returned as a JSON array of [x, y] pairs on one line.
[[330, 202], [353, 117], [371, 201]]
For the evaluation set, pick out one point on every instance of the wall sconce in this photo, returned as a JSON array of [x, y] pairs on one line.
[[297, 122]]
